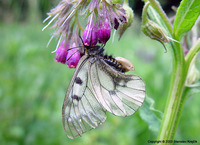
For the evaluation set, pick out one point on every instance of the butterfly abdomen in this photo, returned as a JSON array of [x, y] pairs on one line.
[[113, 63]]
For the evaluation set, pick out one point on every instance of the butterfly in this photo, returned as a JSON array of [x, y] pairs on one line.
[[99, 84]]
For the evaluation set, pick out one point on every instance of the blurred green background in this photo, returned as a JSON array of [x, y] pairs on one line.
[[33, 86]]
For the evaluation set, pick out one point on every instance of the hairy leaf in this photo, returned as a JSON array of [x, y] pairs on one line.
[[150, 115]]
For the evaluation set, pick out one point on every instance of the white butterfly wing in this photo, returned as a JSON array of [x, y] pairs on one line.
[[96, 88], [81, 111], [118, 93]]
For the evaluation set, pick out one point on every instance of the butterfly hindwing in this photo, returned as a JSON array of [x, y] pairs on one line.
[[81, 111], [118, 93]]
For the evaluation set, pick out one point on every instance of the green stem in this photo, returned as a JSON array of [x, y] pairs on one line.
[[170, 122], [171, 114], [176, 97], [190, 56]]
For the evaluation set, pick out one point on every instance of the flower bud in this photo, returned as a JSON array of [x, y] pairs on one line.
[[73, 57], [151, 29], [104, 31], [193, 74], [90, 35], [154, 31], [128, 20], [61, 52]]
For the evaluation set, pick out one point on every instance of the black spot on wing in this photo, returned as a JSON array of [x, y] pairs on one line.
[[78, 81], [112, 92], [76, 97]]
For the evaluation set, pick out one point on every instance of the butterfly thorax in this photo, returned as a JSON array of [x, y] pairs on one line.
[[96, 52]]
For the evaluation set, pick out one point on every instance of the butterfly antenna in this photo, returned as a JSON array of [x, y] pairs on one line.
[[72, 55], [103, 45], [81, 39], [74, 48], [91, 38]]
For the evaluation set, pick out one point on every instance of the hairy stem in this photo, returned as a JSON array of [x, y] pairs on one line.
[[179, 73], [170, 121]]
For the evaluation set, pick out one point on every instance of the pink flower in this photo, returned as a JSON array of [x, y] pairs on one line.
[[62, 52], [90, 34], [104, 31], [73, 57]]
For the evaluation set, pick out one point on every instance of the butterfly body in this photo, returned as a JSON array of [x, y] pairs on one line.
[[99, 84], [96, 52]]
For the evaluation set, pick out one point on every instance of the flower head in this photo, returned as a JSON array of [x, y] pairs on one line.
[[67, 14]]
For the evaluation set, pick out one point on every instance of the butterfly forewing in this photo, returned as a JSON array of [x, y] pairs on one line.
[[81, 111]]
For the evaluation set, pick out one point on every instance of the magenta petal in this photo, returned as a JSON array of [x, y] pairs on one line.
[[61, 52], [116, 24], [90, 35], [73, 58], [104, 31]]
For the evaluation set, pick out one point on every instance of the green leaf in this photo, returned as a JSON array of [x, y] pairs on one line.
[[186, 16], [150, 115]]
